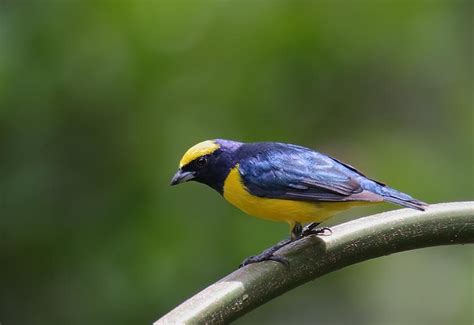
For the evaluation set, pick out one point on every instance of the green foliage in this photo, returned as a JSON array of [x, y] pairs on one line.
[[98, 101]]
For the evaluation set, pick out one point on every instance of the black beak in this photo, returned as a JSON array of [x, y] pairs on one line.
[[181, 177]]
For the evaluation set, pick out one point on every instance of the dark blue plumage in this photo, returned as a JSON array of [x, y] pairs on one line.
[[286, 171]]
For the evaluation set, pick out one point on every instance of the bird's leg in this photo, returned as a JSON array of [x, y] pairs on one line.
[[296, 231], [311, 230], [267, 255]]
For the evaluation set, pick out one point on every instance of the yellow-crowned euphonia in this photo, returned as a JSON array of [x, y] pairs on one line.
[[283, 182]]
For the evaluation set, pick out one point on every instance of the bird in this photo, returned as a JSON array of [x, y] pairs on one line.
[[285, 183]]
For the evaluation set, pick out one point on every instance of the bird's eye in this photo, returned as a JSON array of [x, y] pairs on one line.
[[201, 162]]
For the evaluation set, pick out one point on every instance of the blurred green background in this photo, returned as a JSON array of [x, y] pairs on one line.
[[98, 101]]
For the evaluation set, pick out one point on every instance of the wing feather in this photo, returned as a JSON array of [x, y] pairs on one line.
[[276, 170]]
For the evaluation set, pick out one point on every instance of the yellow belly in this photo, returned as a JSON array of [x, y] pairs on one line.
[[279, 209]]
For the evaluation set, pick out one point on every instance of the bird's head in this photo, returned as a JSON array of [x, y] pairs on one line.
[[207, 162]]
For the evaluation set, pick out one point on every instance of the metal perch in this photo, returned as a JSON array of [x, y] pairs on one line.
[[352, 242]]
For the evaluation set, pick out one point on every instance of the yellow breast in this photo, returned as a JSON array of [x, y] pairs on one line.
[[279, 209]]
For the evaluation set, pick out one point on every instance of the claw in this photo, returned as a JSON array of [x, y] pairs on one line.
[[319, 231], [280, 259], [324, 229], [264, 257], [247, 261], [267, 255]]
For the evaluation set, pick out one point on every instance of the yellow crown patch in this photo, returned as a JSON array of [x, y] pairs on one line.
[[200, 149]]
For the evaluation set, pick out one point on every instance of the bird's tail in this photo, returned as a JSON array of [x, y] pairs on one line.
[[405, 200]]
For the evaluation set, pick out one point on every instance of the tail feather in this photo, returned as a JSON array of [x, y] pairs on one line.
[[405, 200]]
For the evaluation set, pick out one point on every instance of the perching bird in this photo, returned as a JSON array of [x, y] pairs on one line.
[[283, 182]]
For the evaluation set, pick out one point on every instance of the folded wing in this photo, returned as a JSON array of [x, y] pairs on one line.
[[297, 173]]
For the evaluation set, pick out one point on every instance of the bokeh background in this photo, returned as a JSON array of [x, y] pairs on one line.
[[99, 100]]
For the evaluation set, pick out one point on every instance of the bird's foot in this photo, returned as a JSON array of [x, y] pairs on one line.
[[312, 230], [297, 233], [267, 255]]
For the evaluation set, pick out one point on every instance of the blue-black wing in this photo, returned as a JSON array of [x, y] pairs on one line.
[[276, 170]]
